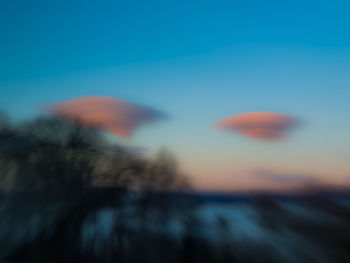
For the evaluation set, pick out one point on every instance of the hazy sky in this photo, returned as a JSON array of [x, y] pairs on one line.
[[198, 61]]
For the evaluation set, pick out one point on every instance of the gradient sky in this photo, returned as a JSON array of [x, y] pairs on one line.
[[199, 61]]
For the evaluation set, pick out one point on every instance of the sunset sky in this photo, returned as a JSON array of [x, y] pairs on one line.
[[198, 62]]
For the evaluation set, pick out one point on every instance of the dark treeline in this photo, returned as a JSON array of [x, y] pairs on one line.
[[51, 154]]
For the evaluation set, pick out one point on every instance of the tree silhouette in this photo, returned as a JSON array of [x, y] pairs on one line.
[[50, 154], [54, 154]]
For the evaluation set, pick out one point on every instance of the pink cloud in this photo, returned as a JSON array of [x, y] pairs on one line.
[[116, 116], [265, 126]]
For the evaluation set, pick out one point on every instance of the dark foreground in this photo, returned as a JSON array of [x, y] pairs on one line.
[[112, 225]]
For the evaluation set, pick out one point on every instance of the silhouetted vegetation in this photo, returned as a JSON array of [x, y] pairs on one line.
[[51, 153]]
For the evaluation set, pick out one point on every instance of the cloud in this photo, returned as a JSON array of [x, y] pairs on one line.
[[284, 178], [116, 116], [265, 126]]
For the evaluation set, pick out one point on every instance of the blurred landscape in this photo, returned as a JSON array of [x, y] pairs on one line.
[[186, 131], [67, 197]]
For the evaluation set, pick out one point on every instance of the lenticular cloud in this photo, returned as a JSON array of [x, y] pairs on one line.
[[116, 116], [265, 126]]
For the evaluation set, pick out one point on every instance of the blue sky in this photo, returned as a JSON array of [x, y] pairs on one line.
[[199, 61]]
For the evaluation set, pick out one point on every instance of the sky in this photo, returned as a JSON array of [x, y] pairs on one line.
[[199, 62]]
